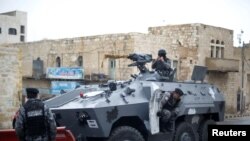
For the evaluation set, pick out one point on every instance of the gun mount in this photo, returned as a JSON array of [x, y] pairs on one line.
[[140, 60]]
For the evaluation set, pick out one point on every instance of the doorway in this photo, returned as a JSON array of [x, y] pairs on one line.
[[112, 66]]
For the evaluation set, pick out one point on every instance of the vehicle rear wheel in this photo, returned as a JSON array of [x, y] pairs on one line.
[[203, 133], [185, 132], [126, 133]]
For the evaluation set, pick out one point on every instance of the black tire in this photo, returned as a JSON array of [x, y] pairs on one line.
[[203, 133], [185, 132], [126, 133], [80, 138]]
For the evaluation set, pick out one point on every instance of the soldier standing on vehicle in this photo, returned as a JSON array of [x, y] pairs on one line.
[[162, 64], [34, 121], [169, 102]]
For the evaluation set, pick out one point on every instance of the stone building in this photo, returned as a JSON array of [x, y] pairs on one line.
[[13, 27], [11, 84], [243, 54], [187, 45], [215, 50]]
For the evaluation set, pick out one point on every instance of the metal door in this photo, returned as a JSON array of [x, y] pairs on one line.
[[112, 66]]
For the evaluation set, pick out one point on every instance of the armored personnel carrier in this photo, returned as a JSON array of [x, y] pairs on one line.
[[126, 111]]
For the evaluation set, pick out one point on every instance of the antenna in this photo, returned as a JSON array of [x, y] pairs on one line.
[[239, 36]]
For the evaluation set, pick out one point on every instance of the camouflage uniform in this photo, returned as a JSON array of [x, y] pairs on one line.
[[21, 126], [168, 105], [169, 111]]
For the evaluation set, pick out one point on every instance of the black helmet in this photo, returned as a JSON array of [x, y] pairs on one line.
[[162, 52], [179, 91], [31, 92]]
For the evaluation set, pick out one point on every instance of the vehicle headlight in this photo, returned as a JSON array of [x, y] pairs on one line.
[[83, 117]]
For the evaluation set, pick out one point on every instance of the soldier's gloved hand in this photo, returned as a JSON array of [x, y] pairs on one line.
[[159, 114], [175, 112]]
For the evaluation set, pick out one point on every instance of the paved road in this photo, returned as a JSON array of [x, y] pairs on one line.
[[237, 121]]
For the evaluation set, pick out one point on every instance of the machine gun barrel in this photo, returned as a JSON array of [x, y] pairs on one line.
[[140, 60]]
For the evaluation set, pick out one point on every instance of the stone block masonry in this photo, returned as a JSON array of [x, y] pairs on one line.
[[10, 84]]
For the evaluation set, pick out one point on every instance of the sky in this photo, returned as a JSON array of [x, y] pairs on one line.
[[55, 19]]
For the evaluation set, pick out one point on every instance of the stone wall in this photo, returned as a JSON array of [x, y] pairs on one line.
[[228, 83], [93, 50], [181, 55], [99, 50], [11, 84], [197, 38], [182, 42], [187, 45], [185, 35]]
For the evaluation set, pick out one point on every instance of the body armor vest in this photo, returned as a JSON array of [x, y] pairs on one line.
[[163, 68], [35, 118]]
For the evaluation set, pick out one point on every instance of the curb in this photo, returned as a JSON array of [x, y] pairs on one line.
[[236, 115]]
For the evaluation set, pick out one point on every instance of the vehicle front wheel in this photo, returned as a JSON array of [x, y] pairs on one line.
[[126, 133], [203, 133], [185, 132]]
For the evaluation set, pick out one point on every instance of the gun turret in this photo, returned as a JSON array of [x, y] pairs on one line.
[[140, 60]]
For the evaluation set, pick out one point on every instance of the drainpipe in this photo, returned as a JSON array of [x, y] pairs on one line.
[[242, 78], [242, 71]]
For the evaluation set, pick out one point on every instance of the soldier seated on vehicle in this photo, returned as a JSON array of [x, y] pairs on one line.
[[162, 64], [35, 122], [169, 102]]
